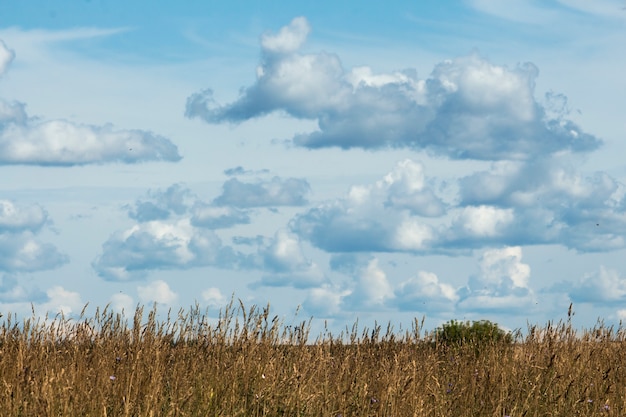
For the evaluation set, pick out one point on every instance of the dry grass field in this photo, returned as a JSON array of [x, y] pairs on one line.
[[249, 363]]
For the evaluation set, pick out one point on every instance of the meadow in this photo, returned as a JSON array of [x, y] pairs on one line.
[[249, 363]]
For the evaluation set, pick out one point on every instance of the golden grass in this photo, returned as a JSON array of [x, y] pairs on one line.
[[250, 364]]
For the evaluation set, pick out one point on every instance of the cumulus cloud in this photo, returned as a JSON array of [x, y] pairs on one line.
[[16, 217], [157, 292], [605, 286], [324, 301], [62, 143], [389, 215], [178, 201], [130, 254], [11, 291], [424, 292], [22, 252], [175, 230], [123, 303], [175, 200], [372, 289], [55, 300], [32, 141], [264, 193], [63, 301], [214, 297], [368, 290], [289, 39], [467, 108], [502, 284], [477, 226], [546, 201], [284, 264]]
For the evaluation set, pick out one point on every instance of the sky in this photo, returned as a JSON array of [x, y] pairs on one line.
[[435, 160]]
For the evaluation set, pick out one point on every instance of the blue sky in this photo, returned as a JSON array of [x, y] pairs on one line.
[[458, 159]]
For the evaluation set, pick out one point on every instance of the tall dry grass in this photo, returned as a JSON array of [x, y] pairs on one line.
[[249, 363]]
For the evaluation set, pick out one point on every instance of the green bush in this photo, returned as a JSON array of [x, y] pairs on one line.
[[477, 333]]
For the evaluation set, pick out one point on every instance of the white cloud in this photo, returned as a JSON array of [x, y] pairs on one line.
[[284, 253], [371, 289], [123, 303], [15, 217], [175, 200], [324, 301], [385, 216], [34, 141], [507, 262], [62, 301], [157, 291], [131, 253], [62, 143], [20, 250], [411, 235], [502, 284], [467, 108], [289, 39], [217, 217], [544, 201], [20, 300], [11, 291], [483, 221], [284, 264], [605, 286], [424, 292], [264, 193], [6, 56], [23, 252], [406, 188], [214, 297], [548, 201]]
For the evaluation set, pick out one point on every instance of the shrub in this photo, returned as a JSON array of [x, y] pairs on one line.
[[477, 334]]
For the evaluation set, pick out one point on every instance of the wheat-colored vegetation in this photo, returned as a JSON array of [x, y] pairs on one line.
[[249, 363]]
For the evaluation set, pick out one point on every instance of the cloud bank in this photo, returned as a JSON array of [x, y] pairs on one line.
[[544, 201], [176, 230]]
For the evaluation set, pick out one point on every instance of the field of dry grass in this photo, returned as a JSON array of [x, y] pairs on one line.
[[249, 363]]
